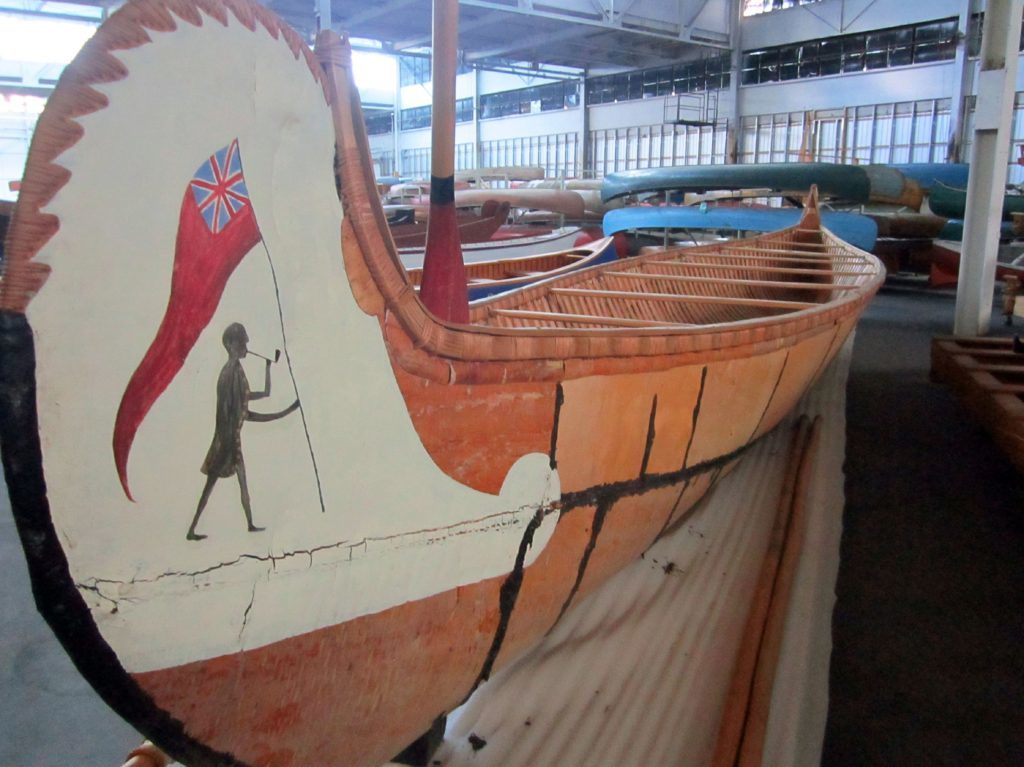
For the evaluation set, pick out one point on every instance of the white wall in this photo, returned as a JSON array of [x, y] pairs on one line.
[[497, 82], [627, 114], [382, 143], [630, 114], [421, 95], [417, 139], [542, 124]]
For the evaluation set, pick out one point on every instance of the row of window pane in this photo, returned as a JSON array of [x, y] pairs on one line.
[[883, 48], [540, 98], [702, 75], [379, 122], [415, 70], [419, 117]]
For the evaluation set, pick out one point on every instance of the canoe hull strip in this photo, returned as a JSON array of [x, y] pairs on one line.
[[580, 556]]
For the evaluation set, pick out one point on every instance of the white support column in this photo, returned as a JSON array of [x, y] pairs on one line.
[[477, 159], [584, 162], [961, 86], [396, 130], [735, 65], [989, 155], [323, 15]]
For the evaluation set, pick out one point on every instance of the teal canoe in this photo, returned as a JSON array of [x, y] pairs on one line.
[[849, 183], [950, 202], [928, 174]]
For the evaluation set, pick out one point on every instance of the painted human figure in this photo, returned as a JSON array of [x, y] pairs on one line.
[[224, 458]]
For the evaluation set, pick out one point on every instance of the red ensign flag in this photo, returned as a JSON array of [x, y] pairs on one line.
[[216, 229]]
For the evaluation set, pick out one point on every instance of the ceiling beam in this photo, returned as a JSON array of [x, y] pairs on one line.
[[697, 11], [486, 20], [95, 20], [372, 13], [512, 68], [532, 43], [634, 26]]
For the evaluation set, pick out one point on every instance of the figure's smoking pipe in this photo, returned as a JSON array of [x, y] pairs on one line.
[[277, 356]]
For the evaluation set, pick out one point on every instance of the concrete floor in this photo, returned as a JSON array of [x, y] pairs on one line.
[[927, 669], [927, 663], [49, 716]]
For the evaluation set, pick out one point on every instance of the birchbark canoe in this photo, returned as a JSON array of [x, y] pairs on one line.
[[563, 202], [489, 278], [473, 227], [511, 241], [427, 498]]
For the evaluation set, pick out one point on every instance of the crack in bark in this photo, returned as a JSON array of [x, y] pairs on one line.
[[94, 584], [245, 615]]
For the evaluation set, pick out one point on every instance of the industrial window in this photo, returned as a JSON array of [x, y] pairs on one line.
[[379, 122], [415, 70], [881, 49], [464, 110], [935, 42], [416, 117], [692, 76], [419, 117], [540, 98]]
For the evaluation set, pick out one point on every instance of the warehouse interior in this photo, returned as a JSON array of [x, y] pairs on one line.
[[925, 665]]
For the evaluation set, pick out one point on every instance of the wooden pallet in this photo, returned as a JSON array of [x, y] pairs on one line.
[[988, 376]]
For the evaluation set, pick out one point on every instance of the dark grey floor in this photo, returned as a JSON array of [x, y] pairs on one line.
[[928, 666], [928, 661], [49, 716]]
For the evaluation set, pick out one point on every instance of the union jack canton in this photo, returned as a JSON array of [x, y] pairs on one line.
[[219, 188]]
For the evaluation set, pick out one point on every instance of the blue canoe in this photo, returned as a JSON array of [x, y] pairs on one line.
[[859, 231]]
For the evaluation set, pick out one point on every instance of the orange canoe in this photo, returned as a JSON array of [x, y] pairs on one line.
[[306, 557]]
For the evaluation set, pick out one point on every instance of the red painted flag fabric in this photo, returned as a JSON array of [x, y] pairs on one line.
[[216, 229]]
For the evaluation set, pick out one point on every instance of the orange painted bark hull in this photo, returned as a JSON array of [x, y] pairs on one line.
[[382, 679]]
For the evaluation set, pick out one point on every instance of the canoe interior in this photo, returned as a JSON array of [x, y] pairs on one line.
[[737, 281]]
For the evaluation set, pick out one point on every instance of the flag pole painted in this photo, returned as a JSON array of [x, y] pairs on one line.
[[443, 289], [291, 374]]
